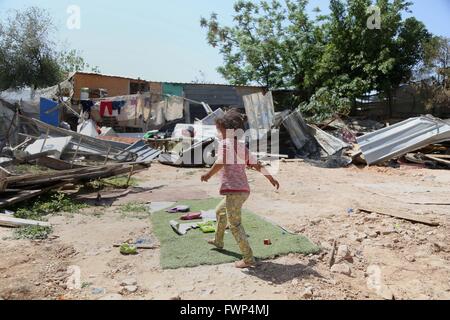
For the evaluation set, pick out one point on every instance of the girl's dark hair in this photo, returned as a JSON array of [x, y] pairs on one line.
[[232, 119]]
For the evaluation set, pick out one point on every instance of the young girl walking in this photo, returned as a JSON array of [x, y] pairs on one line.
[[233, 158]]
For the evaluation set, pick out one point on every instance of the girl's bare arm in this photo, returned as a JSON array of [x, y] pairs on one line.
[[214, 170], [260, 168]]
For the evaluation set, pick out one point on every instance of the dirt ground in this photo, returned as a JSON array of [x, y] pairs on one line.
[[407, 260]]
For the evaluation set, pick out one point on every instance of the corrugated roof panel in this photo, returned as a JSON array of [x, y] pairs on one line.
[[403, 137], [144, 152]]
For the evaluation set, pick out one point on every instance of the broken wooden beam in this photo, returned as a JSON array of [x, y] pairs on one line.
[[23, 195], [403, 216], [331, 261], [7, 221], [438, 159], [3, 181], [57, 164]]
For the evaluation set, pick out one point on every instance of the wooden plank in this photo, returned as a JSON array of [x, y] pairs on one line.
[[331, 261], [439, 160], [403, 216], [7, 221], [23, 195], [105, 196], [57, 164], [74, 177], [440, 156], [3, 181], [19, 197], [138, 246]]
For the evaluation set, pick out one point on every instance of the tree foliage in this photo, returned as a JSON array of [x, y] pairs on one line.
[[28, 52], [436, 64], [433, 74], [278, 45], [27, 55], [72, 61]]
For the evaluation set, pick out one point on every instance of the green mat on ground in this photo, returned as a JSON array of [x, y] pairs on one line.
[[192, 250]]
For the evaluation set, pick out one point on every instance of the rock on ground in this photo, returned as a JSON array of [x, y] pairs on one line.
[[343, 254], [342, 268], [375, 283], [130, 289]]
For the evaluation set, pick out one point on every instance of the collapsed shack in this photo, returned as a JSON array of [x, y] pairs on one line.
[[71, 158]]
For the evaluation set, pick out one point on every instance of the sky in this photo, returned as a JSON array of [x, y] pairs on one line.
[[162, 40]]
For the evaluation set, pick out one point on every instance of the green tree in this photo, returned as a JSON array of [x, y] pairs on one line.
[[365, 59], [72, 61], [331, 59], [271, 44], [436, 64], [27, 54]]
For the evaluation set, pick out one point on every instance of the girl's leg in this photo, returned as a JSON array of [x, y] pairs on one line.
[[221, 215], [234, 204]]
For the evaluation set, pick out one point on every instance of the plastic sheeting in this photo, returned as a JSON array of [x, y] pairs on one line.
[[30, 99], [49, 112]]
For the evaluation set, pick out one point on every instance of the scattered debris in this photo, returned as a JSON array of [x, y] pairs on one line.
[[7, 221], [182, 228], [127, 249], [343, 254], [332, 255]]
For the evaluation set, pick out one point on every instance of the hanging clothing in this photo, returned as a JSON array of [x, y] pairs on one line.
[[87, 105], [175, 107], [106, 105], [158, 112], [140, 108], [128, 111], [118, 105]]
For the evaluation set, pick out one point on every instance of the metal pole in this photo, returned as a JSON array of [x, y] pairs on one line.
[[129, 176], [107, 156], [10, 126], [45, 140]]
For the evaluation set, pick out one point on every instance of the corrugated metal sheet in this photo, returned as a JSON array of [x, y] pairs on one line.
[[260, 111], [119, 139], [143, 151], [214, 95], [330, 144], [297, 128], [403, 137]]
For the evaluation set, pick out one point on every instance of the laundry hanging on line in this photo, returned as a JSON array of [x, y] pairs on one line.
[[106, 106]]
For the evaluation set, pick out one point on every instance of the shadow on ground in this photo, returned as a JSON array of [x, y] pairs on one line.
[[281, 273]]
